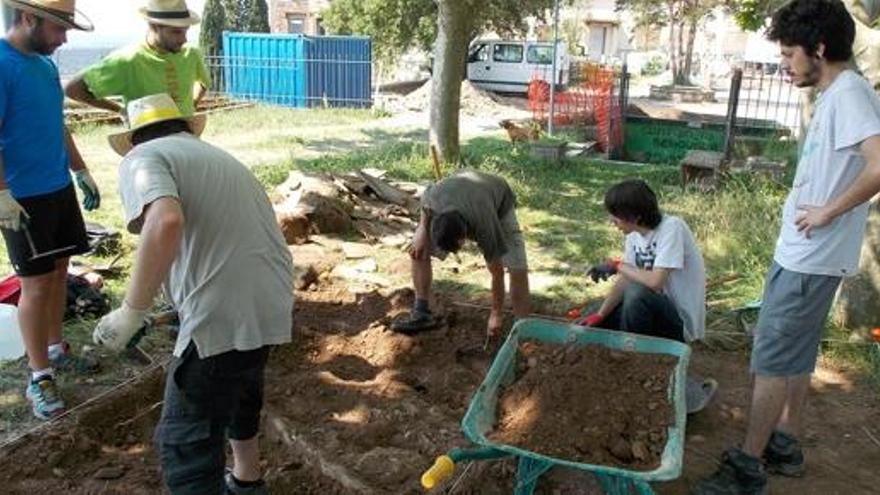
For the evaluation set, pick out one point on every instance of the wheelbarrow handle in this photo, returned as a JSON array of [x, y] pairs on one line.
[[441, 471]]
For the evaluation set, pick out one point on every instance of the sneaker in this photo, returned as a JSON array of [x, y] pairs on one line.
[[739, 474], [416, 322], [68, 362], [233, 488], [44, 398], [784, 455]]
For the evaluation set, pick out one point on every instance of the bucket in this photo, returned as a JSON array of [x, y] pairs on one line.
[[11, 345]]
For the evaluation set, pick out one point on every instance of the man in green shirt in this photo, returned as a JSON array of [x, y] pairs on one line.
[[162, 64]]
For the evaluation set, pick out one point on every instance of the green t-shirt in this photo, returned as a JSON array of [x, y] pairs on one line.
[[137, 71]]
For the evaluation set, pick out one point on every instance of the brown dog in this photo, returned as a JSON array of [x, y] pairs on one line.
[[519, 133]]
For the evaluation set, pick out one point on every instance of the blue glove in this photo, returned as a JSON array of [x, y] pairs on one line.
[[89, 188]]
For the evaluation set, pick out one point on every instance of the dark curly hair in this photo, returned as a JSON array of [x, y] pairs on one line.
[[807, 23], [633, 201]]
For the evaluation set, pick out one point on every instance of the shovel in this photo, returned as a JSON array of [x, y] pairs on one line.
[[133, 351]]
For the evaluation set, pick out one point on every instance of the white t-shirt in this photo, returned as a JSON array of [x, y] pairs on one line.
[[672, 246], [847, 113], [232, 279]]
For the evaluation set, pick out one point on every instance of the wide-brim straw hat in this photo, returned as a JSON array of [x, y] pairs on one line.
[[151, 110], [62, 12], [172, 13]]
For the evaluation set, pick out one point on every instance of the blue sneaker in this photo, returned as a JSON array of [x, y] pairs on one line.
[[44, 398]]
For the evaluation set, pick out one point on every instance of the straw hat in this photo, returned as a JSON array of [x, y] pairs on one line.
[[62, 12], [151, 110], [172, 13]]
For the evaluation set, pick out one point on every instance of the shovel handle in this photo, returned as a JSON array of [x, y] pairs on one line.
[[441, 471]]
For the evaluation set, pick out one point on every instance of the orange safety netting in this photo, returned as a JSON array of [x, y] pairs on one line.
[[592, 100]]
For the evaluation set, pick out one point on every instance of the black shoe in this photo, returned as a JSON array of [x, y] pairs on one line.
[[416, 322], [784, 456], [233, 488], [739, 474]]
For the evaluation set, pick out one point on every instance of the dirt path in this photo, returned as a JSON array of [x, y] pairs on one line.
[[354, 407]]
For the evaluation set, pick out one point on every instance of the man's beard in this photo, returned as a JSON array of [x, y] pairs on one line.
[[38, 44], [811, 78]]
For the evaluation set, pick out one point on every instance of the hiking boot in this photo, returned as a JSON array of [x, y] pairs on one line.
[[44, 398], [739, 474], [233, 488], [417, 321], [68, 362], [784, 456]]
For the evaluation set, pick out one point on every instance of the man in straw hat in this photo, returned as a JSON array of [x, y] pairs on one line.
[[208, 231], [40, 219], [162, 64]]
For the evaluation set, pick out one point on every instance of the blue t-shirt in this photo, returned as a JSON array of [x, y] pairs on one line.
[[35, 157]]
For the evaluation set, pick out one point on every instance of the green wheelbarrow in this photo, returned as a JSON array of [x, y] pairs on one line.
[[480, 416]]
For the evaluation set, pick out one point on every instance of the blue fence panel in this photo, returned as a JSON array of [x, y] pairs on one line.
[[264, 67], [339, 71], [298, 71]]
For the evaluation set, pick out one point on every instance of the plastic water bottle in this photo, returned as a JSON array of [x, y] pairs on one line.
[[11, 345]]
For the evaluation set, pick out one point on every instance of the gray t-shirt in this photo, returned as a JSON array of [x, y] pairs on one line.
[[232, 279], [847, 113], [482, 199]]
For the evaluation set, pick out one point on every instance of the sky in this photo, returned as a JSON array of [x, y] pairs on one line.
[[118, 22]]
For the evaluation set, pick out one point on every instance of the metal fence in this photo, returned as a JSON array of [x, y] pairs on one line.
[[766, 99], [295, 71]]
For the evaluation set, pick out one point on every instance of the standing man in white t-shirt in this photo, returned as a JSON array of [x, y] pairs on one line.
[[661, 290], [823, 223]]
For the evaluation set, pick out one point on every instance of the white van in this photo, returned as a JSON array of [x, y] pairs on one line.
[[509, 66]]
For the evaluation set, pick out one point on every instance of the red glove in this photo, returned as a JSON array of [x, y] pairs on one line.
[[591, 320]]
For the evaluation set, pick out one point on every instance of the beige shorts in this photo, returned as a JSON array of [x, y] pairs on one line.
[[515, 258]]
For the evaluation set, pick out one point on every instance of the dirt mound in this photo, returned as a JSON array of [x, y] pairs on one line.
[[588, 404], [474, 101]]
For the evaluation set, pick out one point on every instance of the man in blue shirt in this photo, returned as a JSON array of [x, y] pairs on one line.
[[39, 216]]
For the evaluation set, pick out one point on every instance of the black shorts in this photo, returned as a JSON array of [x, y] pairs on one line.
[[206, 401], [55, 223]]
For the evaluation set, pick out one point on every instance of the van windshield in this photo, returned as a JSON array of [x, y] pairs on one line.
[[507, 53], [542, 55]]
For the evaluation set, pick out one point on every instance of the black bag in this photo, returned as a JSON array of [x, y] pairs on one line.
[[83, 300]]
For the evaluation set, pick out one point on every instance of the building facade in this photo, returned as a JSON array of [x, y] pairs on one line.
[[297, 16]]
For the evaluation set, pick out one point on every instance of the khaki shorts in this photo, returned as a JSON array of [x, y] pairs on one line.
[[515, 258]]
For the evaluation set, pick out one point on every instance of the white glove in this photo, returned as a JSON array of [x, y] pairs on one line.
[[116, 329], [10, 211]]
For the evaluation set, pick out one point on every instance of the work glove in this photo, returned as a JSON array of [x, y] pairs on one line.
[[89, 188], [605, 270], [10, 211], [591, 320], [116, 329]]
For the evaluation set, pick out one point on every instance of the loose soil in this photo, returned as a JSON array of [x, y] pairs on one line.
[[351, 404], [588, 404]]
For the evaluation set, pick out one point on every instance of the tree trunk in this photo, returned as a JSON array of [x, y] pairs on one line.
[[689, 53], [673, 55], [450, 54], [858, 302]]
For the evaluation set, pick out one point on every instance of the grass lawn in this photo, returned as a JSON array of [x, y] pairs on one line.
[[560, 207]]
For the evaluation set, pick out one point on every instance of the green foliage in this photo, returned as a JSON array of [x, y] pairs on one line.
[[655, 66], [751, 15], [213, 22], [256, 17], [397, 25]]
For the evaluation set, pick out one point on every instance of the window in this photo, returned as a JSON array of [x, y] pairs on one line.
[[540, 55], [479, 54], [296, 23], [508, 53]]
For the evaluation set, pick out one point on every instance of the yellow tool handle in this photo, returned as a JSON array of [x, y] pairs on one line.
[[441, 470]]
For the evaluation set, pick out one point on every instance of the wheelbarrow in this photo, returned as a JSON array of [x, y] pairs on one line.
[[481, 414]]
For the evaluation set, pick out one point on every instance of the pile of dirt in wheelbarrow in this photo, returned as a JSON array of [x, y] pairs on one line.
[[588, 404]]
